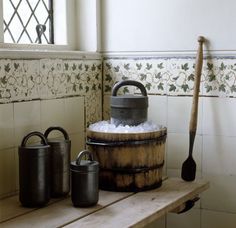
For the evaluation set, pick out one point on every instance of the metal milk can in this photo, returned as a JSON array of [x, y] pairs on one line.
[[60, 162], [34, 172]]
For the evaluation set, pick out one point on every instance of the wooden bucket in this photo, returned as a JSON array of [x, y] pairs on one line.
[[128, 161]]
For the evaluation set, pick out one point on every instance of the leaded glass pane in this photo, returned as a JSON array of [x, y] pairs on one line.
[[21, 18]]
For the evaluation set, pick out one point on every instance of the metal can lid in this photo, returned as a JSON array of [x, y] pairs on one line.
[[85, 166]]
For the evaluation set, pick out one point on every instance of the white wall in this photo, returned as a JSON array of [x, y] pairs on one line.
[[167, 25]]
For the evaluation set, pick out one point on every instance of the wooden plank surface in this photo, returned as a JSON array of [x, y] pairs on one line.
[[144, 207], [59, 213], [10, 207]]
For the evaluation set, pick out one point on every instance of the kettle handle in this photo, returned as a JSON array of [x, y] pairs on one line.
[[129, 82], [56, 128], [81, 154], [34, 133]]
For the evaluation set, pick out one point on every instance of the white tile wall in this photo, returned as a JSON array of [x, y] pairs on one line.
[[178, 148], [221, 194], [219, 155], [179, 110], [157, 110], [77, 144], [26, 119], [53, 114], [6, 126], [219, 116], [74, 112], [7, 172]]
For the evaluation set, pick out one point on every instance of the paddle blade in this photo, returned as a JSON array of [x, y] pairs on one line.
[[188, 171]]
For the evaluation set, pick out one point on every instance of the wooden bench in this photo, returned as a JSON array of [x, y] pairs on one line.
[[125, 209]]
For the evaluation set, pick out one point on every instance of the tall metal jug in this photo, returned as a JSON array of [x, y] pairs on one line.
[[60, 162], [34, 172]]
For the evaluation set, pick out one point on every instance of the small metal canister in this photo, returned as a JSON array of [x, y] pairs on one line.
[[128, 109], [34, 172], [60, 163], [84, 180]]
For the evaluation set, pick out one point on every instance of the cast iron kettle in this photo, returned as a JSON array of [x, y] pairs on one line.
[[34, 172], [128, 109], [84, 180], [60, 162]]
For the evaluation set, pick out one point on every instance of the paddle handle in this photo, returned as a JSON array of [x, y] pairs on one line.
[[197, 80]]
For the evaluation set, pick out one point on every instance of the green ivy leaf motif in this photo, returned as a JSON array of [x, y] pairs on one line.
[[108, 66], [88, 79], [68, 78], [80, 86], [222, 66], [148, 86], [73, 67], [176, 78], [117, 69], [185, 87], [209, 66], [125, 90], [108, 78], [99, 66], [4, 80], [66, 66], [211, 77], [99, 86], [126, 66], [86, 67], [86, 89], [139, 66], [80, 66], [93, 68], [148, 66], [94, 87], [208, 88], [172, 87], [16, 65], [107, 88], [160, 86], [74, 88], [222, 88], [7, 68], [158, 75], [160, 66], [52, 68], [124, 77], [227, 77], [78, 76], [191, 77], [233, 88], [185, 67], [97, 76], [143, 77]]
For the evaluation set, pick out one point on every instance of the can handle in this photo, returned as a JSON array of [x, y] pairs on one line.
[[34, 133], [129, 82], [81, 154], [56, 128]]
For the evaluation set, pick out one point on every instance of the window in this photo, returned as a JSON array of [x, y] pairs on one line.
[[28, 21]]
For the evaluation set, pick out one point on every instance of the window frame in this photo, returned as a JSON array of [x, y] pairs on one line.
[[63, 14], [79, 31]]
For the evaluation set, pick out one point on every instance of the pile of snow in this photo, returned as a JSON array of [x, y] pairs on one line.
[[106, 126]]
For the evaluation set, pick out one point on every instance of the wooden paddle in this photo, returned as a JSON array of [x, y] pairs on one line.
[[188, 172]]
